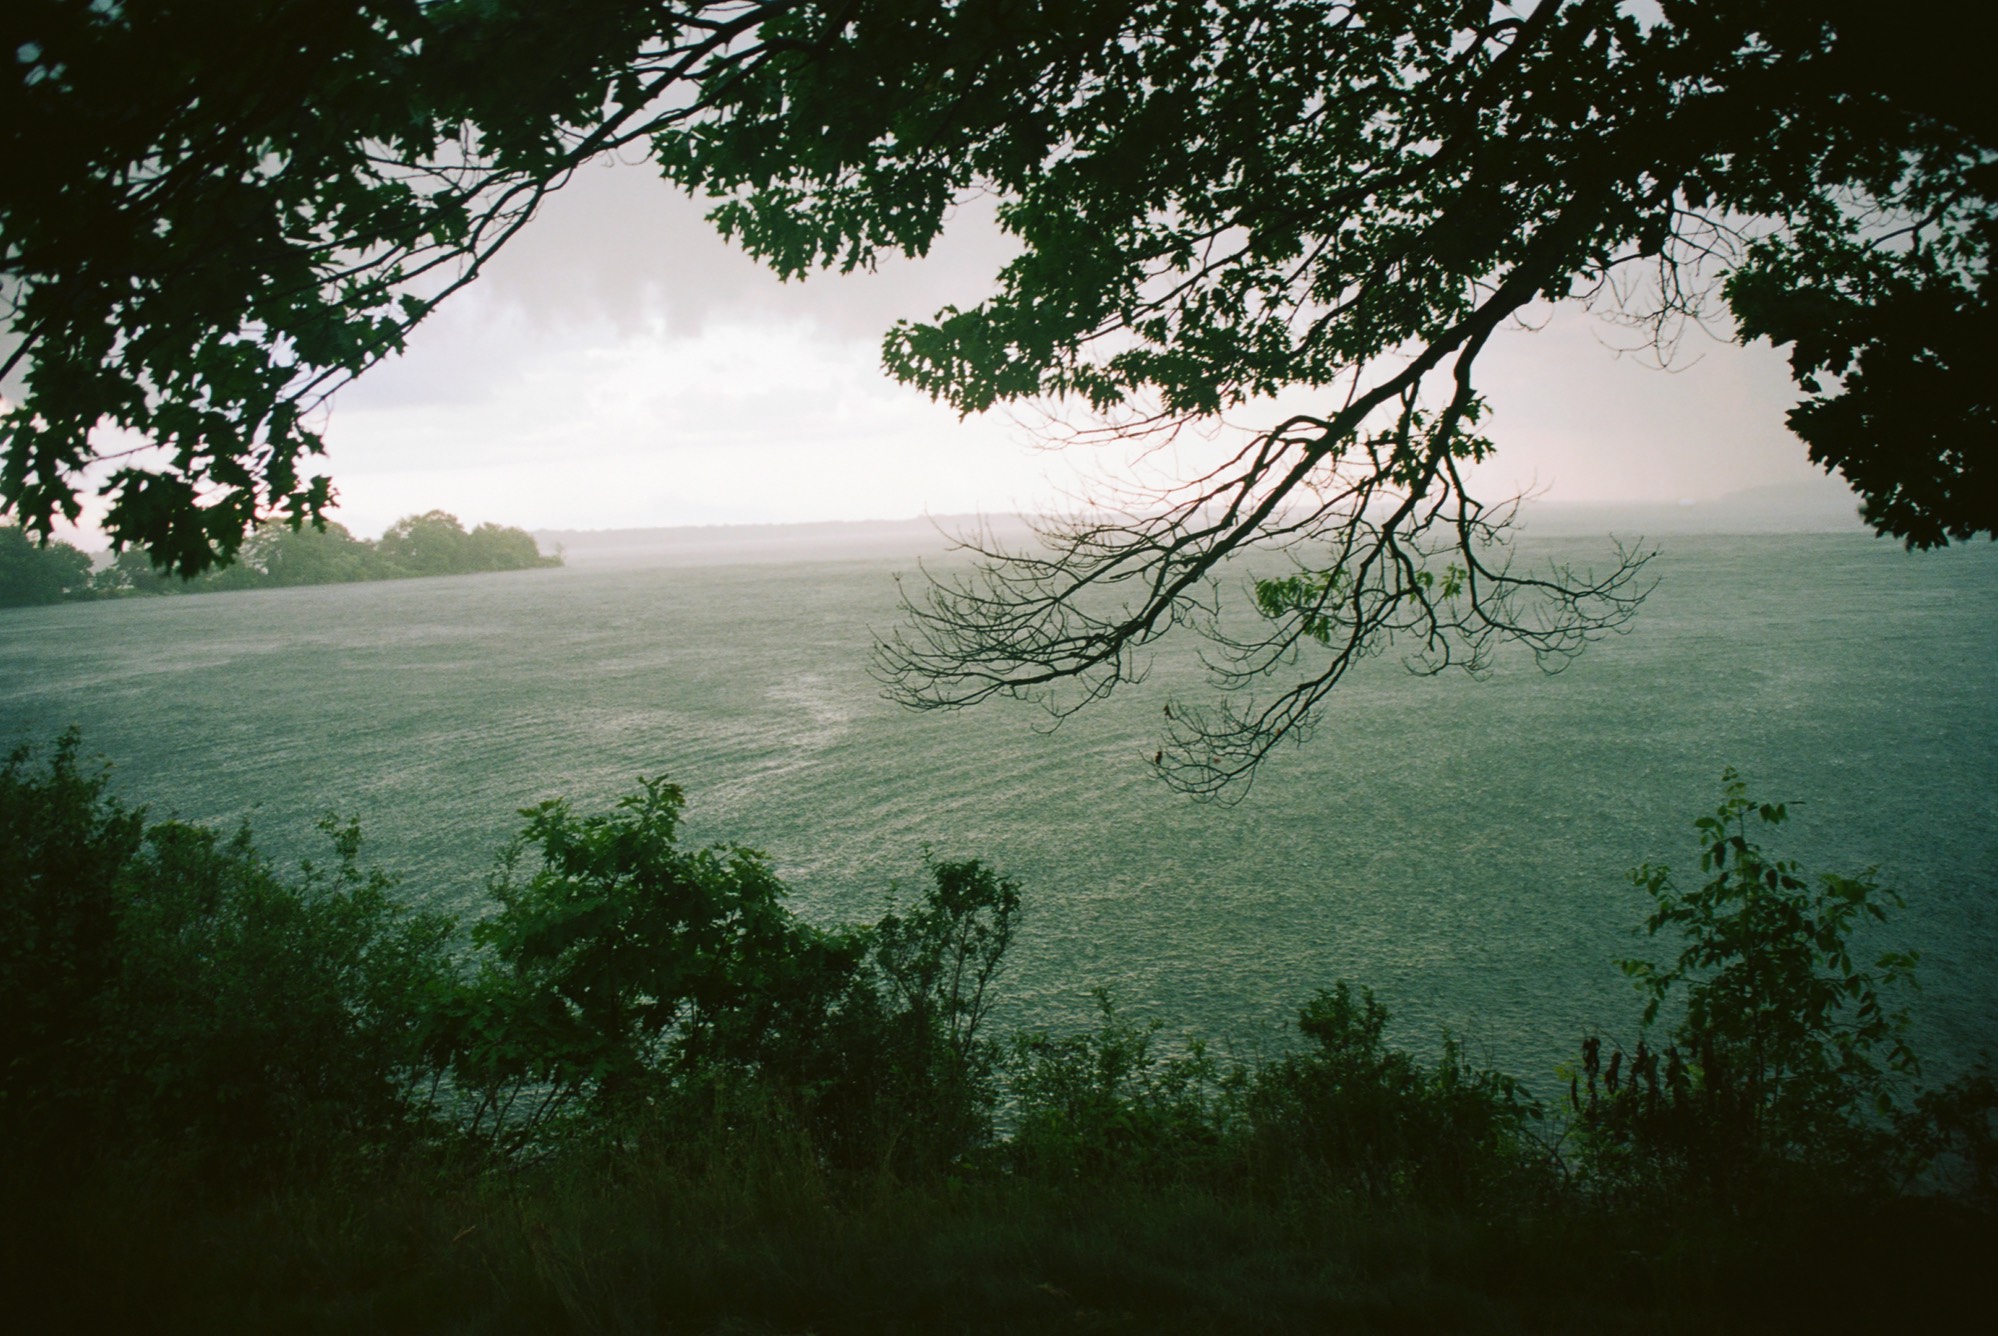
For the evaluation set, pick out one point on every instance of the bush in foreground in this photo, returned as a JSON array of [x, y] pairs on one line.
[[643, 1093], [1788, 1066], [169, 989]]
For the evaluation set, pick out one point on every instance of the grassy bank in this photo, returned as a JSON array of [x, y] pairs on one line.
[[735, 1247]]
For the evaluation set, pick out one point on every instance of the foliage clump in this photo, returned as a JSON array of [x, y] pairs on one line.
[[1115, 1102], [1789, 1060], [170, 988], [622, 973], [634, 1007], [1366, 1119], [274, 555], [173, 987], [33, 573]]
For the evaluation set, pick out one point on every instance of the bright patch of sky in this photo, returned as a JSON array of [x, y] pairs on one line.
[[620, 366]]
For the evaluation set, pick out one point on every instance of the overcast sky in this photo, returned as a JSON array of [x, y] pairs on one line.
[[619, 366]]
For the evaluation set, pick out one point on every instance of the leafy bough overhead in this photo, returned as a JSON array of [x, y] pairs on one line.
[[214, 215], [1218, 202]]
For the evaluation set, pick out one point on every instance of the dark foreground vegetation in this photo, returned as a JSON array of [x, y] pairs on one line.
[[640, 1094], [273, 556]]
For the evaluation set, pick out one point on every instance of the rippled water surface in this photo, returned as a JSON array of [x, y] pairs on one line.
[[1458, 845]]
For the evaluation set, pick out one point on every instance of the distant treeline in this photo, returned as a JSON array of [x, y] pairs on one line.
[[274, 556]]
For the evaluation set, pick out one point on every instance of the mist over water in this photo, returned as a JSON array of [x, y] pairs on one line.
[[1459, 846]]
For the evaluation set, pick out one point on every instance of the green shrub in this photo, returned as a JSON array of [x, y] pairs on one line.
[[176, 1000], [1353, 1115], [1789, 1062], [270, 1009], [1109, 1101], [621, 961], [64, 846], [628, 981], [933, 1070], [169, 986]]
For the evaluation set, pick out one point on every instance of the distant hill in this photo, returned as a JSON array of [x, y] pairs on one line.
[[833, 540], [1824, 506]]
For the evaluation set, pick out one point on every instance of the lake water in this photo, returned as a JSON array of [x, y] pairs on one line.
[[1458, 845]]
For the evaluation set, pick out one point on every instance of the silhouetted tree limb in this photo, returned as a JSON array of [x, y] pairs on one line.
[[1385, 549], [1216, 201], [213, 216]]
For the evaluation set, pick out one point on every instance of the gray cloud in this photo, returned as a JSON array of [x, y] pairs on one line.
[[618, 246], [618, 254]]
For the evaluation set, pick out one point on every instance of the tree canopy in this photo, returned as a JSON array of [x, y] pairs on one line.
[[46, 573], [213, 216], [1215, 199], [273, 556]]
